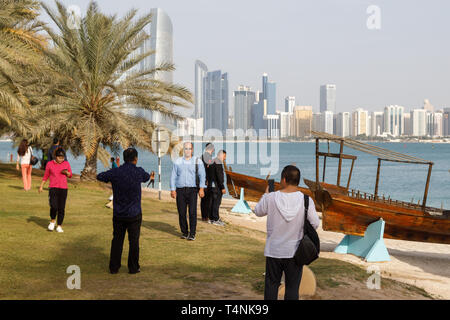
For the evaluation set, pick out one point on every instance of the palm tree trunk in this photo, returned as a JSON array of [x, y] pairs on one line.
[[89, 172]]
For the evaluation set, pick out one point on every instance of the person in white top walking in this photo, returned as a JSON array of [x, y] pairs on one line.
[[24, 157], [285, 212]]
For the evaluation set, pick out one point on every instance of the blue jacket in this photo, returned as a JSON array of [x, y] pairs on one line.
[[126, 184]]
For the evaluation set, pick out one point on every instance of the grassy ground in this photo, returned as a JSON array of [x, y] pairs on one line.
[[223, 263]]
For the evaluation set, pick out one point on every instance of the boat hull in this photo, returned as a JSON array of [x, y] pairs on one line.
[[350, 215], [254, 188]]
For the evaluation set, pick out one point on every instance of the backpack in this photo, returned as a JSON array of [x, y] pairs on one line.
[[309, 247]]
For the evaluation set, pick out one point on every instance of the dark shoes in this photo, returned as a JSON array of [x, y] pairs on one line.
[[184, 236], [191, 237], [113, 271], [134, 272]]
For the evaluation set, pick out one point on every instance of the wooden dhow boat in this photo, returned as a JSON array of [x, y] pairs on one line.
[[351, 211]]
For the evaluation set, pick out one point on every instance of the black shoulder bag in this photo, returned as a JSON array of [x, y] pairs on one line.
[[309, 247], [197, 177], [33, 159]]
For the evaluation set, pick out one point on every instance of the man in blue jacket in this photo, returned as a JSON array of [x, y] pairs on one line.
[[127, 213]]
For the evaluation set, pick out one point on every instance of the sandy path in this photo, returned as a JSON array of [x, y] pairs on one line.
[[424, 265]]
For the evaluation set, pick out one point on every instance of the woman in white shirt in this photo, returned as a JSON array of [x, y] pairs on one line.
[[285, 212], [24, 157]]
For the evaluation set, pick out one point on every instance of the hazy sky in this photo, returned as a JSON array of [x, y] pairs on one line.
[[303, 44]]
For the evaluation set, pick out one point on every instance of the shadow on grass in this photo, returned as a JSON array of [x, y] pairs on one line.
[[16, 187], [41, 222], [161, 226]]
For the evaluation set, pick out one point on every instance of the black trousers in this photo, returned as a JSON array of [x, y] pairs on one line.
[[152, 182], [187, 197], [292, 278], [205, 206], [214, 201], [57, 200], [120, 227]]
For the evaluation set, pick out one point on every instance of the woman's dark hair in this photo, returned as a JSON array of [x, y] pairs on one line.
[[58, 152], [291, 174], [113, 159], [130, 154], [23, 147]]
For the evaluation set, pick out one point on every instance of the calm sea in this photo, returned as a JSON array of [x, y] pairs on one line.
[[400, 181]]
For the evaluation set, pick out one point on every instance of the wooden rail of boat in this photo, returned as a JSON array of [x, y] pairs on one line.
[[353, 211]]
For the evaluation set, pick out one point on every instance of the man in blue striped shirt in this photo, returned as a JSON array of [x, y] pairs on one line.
[[187, 180]]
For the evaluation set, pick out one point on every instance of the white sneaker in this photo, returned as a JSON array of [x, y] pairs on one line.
[[59, 229], [51, 226]]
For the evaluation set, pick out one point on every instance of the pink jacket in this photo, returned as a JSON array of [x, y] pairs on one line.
[[57, 179]]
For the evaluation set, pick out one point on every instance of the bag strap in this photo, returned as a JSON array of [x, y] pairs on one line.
[[306, 203], [197, 178]]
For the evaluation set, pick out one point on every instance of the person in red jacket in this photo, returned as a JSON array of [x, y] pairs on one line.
[[58, 170]]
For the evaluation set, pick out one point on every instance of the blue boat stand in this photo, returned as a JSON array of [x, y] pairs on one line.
[[371, 247], [242, 205]]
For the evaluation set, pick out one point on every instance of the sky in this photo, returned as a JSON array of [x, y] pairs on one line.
[[304, 44]]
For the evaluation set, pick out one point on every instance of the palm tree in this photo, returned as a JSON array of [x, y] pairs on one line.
[[98, 77], [21, 62]]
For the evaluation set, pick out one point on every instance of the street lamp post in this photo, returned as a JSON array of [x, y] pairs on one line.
[[158, 142]]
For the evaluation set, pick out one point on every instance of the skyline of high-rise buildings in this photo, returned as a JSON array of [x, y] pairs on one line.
[[258, 110]]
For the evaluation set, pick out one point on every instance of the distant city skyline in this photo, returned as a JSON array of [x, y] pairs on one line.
[[303, 45]]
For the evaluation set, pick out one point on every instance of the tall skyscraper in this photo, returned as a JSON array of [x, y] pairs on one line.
[[419, 122], [273, 125], [360, 122], [216, 101], [289, 104], [269, 94], [258, 112], [343, 124], [271, 98], [393, 120], [302, 121], [200, 72], [377, 123], [408, 128], [438, 128], [244, 99], [328, 98], [161, 42], [446, 122], [285, 124], [265, 79], [327, 121], [428, 106]]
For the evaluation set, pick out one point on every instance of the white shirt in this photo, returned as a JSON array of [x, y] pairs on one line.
[[25, 159], [285, 219]]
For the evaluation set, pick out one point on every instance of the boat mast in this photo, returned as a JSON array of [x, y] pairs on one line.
[[378, 179], [341, 150], [317, 160], [427, 186]]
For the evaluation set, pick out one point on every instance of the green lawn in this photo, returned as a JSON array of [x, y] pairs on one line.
[[222, 263]]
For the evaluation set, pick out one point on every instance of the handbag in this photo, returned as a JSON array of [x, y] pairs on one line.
[[309, 247], [33, 159]]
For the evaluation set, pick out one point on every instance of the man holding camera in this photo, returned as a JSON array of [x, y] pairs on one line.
[[285, 210]]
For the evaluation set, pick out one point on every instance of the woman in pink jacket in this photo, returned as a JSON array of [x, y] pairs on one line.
[[58, 170]]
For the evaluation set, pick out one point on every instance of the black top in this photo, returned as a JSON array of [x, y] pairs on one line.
[[126, 184], [50, 152], [214, 173]]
